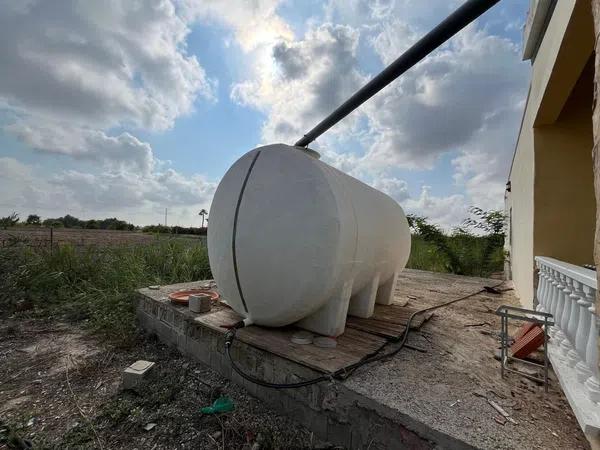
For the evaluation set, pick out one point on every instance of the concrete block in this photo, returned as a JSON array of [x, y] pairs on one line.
[[200, 303], [136, 373]]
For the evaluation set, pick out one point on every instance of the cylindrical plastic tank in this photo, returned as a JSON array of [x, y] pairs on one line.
[[294, 239]]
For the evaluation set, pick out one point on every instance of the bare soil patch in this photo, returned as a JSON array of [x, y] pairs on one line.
[[60, 388]]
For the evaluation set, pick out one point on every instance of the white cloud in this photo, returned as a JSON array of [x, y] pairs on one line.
[[441, 104], [253, 23], [21, 187], [371, 13], [444, 211], [309, 79], [73, 71], [137, 196], [118, 190], [115, 152], [482, 165], [98, 64], [395, 188]]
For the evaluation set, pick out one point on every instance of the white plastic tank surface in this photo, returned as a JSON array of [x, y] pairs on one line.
[[292, 239]]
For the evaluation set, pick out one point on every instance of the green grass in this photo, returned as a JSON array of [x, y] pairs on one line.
[[94, 285], [471, 255]]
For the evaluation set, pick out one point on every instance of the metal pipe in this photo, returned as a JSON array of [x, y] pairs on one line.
[[455, 22]]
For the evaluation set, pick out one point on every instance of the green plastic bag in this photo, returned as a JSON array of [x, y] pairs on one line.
[[220, 405]]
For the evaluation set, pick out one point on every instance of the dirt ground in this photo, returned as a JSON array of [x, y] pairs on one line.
[[60, 388], [450, 384]]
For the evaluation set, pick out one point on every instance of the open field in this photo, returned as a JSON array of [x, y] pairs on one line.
[[44, 237], [91, 275], [93, 284]]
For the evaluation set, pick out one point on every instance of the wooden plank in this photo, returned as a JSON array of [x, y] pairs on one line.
[[351, 347], [361, 337], [388, 320], [215, 320]]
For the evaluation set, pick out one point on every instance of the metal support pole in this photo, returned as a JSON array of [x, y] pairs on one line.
[[455, 22], [503, 344], [545, 354]]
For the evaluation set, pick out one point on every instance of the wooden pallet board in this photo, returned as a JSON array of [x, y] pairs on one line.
[[351, 347], [388, 321]]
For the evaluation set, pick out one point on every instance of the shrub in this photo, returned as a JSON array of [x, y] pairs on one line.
[[9, 221], [461, 252]]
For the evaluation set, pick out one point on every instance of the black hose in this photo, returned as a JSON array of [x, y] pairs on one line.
[[345, 372], [455, 22]]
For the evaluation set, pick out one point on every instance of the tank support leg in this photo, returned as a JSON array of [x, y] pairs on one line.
[[363, 302], [330, 320], [385, 294]]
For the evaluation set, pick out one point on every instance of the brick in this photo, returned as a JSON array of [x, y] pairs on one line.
[[136, 373]]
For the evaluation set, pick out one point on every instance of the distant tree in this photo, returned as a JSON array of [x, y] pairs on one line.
[[53, 223], [491, 222], [9, 221], [92, 224], [203, 213], [70, 221], [33, 219], [156, 229]]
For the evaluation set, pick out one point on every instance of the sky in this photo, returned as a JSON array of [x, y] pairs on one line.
[[124, 108]]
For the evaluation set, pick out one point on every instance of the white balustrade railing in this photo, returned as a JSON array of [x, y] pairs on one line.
[[568, 292]]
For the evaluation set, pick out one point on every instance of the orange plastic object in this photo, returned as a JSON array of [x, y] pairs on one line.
[[183, 297], [529, 343]]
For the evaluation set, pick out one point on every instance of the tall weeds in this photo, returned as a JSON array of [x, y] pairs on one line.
[[461, 252], [94, 285]]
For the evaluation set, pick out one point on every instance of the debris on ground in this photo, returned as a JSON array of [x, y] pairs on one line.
[[220, 405], [527, 343], [478, 324], [460, 360], [501, 410], [162, 413]]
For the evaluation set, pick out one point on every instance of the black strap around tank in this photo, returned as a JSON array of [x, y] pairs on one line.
[[235, 221]]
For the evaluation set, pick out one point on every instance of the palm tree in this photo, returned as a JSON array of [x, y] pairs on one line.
[[203, 213]]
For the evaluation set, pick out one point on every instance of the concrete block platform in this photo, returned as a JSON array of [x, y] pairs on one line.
[[418, 399]]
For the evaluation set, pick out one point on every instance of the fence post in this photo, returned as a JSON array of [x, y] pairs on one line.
[[51, 239]]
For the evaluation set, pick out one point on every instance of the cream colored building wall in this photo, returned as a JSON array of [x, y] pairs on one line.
[[565, 205], [520, 201], [519, 205]]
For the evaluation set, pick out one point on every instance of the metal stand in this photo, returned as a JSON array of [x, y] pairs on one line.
[[544, 320]]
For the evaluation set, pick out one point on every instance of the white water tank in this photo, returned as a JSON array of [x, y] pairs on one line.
[[291, 239]]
